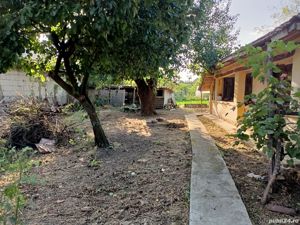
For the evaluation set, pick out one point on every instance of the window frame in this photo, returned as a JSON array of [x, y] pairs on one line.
[[228, 94]]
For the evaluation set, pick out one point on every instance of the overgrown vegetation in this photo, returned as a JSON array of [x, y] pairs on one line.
[[13, 163], [265, 117], [32, 120]]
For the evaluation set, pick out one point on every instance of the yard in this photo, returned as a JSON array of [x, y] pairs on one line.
[[244, 159], [143, 179]]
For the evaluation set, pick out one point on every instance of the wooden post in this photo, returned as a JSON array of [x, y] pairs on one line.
[[201, 99], [133, 100], [212, 89]]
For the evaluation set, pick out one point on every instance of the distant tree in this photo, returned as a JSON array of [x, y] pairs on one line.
[[187, 90], [286, 10], [213, 36], [68, 41]]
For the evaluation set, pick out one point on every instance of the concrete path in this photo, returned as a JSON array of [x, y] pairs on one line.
[[214, 198]]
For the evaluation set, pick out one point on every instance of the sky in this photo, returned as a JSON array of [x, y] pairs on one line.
[[251, 14]]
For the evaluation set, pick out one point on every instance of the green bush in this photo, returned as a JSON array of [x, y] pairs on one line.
[[12, 199]]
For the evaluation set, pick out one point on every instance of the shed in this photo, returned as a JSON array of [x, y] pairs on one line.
[[127, 95]]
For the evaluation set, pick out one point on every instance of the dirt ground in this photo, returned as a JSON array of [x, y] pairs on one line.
[[144, 179], [241, 160]]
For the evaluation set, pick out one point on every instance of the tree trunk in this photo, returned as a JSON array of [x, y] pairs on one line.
[[146, 92], [275, 169], [100, 137]]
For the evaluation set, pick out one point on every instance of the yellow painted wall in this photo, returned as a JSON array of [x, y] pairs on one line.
[[230, 111], [225, 110], [239, 92], [257, 86], [296, 71]]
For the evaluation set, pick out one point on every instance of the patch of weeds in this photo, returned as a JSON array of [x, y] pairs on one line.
[[186, 196], [75, 118], [158, 143], [94, 163], [32, 180], [12, 199], [72, 107], [72, 141]]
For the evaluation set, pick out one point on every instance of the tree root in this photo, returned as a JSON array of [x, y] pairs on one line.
[[268, 188], [281, 209]]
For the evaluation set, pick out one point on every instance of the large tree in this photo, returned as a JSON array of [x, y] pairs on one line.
[[214, 35], [152, 51], [66, 40]]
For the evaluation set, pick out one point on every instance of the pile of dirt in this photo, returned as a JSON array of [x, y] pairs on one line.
[[30, 121]]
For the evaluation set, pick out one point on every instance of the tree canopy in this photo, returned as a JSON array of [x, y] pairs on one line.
[[66, 40], [153, 49], [214, 36]]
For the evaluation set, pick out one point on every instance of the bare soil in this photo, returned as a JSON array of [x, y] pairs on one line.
[[143, 179], [244, 159]]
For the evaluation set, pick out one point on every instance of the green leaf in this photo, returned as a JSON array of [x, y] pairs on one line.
[[11, 191], [290, 162]]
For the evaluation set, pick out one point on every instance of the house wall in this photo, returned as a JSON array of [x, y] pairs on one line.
[[15, 83], [225, 110], [296, 71], [115, 97], [239, 92], [167, 95], [230, 111], [258, 86]]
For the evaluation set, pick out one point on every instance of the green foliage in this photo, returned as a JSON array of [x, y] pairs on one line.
[[187, 90], [72, 107], [34, 33], [214, 36], [12, 199], [265, 117], [161, 28], [95, 163], [192, 102]]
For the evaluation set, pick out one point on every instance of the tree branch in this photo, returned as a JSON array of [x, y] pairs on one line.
[[84, 83], [70, 73], [54, 75]]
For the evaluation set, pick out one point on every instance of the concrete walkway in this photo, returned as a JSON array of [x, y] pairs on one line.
[[214, 198]]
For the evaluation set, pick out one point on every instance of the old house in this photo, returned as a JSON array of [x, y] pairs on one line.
[[127, 95], [15, 84], [232, 82]]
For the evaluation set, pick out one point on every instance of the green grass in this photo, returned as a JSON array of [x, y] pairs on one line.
[[193, 101]]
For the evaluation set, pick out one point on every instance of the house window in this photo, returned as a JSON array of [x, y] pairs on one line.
[[228, 89], [248, 84]]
